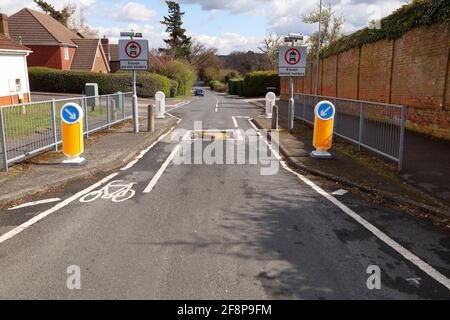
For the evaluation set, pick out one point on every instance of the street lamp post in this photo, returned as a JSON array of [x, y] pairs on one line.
[[318, 48], [292, 38]]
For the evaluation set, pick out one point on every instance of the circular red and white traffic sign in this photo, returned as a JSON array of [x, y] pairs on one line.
[[133, 49], [293, 56]]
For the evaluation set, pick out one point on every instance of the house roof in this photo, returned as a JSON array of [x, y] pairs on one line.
[[86, 53], [114, 52], [37, 28], [8, 44]]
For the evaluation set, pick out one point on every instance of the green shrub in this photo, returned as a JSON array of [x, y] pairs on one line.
[[50, 80], [233, 86], [255, 83], [218, 86], [179, 71], [173, 88]]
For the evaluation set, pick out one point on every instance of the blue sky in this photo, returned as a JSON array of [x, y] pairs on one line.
[[227, 25]]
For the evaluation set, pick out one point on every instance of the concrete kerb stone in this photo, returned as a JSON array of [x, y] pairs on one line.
[[119, 161], [387, 196]]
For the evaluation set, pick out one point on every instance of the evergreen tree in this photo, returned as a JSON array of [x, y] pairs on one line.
[[62, 16], [178, 43]]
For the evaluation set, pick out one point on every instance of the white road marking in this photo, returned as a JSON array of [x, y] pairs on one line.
[[35, 203], [161, 170], [217, 105], [181, 104], [235, 122], [48, 212], [425, 267], [144, 152], [340, 192]]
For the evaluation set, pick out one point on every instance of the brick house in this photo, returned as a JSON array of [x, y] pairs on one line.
[[14, 86], [54, 45]]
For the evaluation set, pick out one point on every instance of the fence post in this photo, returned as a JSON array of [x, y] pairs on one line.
[[3, 141], [55, 134], [304, 107], [86, 121], [361, 125], [107, 112], [402, 139], [122, 99]]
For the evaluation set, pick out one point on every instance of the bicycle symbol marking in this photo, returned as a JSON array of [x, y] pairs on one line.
[[116, 191]]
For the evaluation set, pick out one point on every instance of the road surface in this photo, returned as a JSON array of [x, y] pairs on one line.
[[216, 231]]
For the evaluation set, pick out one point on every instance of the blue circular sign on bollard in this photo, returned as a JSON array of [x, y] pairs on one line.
[[70, 114], [325, 111]]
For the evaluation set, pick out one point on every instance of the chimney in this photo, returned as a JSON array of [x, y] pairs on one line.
[[105, 45], [4, 29]]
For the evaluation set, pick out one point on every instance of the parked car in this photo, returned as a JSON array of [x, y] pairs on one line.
[[199, 93]]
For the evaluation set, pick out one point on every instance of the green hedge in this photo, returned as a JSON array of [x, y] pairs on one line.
[[416, 14], [234, 85], [218, 86], [50, 80], [255, 83]]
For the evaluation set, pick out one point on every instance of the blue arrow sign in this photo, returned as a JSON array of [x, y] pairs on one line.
[[325, 111], [70, 113]]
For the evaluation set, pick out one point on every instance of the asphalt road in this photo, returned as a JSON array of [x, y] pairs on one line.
[[216, 231]]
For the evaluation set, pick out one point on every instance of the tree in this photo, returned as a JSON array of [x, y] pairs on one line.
[[270, 46], [179, 44], [78, 25], [62, 16], [331, 27]]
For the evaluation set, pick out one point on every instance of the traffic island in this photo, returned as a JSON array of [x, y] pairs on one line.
[[356, 170]]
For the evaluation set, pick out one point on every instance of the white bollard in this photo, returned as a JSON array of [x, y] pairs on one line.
[[270, 102], [160, 98]]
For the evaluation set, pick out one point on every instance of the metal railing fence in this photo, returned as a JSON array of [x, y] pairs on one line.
[[32, 128], [378, 127]]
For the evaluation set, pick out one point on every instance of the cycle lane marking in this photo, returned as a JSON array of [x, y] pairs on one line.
[[164, 166], [123, 189], [60, 205]]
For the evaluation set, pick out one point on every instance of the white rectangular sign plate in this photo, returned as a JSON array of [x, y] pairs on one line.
[[292, 72]]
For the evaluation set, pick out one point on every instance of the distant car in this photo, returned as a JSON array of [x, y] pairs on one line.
[[199, 93]]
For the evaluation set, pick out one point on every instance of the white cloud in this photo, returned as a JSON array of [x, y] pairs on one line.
[[134, 11], [228, 42], [284, 16]]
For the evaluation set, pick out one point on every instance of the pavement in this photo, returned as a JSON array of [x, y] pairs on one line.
[[164, 228]]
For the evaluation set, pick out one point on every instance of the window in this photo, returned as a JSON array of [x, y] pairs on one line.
[[18, 85], [66, 53]]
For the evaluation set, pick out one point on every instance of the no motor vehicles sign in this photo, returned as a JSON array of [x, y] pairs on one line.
[[292, 61], [133, 54]]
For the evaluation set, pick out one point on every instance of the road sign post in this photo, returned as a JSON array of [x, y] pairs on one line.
[[133, 56], [72, 133], [323, 130], [292, 63]]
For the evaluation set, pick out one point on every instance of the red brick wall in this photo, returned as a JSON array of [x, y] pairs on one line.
[[413, 70], [50, 56], [348, 74], [329, 76], [375, 71]]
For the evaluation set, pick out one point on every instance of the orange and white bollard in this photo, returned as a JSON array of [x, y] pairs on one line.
[[323, 130], [72, 134]]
